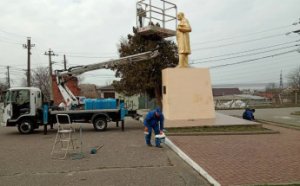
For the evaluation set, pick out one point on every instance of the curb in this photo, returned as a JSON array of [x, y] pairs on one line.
[[288, 126], [222, 133], [193, 164]]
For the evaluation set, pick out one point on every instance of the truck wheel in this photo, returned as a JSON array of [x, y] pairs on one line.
[[100, 124], [25, 126]]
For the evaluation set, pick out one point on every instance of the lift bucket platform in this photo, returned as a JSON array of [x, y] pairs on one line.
[[156, 17], [154, 30]]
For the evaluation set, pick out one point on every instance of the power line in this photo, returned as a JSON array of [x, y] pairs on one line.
[[7, 38], [11, 33], [15, 68], [251, 54], [239, 74], [240, 42], [245, 51], [10, 42], [35, 64], [16, 73], [77, 56], [83, 53], [243, 35], [255, 59], [289, 64]]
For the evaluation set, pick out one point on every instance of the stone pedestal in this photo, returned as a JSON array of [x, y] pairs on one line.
[[187, 94]]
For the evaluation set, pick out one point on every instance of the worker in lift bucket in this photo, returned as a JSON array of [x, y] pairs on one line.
[[154, 120], [141, 13]]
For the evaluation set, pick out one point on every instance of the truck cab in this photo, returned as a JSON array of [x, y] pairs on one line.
[[21, 106]]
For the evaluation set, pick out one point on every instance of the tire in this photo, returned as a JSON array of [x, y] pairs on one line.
[[25, 126], [100, 124]]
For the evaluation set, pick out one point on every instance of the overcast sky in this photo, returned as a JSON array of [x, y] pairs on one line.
[[85, 29]]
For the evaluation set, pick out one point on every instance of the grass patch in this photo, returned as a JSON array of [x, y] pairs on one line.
[[292, 184], [238, 128], [296, 113]]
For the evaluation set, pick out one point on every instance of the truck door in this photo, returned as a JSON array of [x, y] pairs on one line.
[[20, 100], [7, 110]]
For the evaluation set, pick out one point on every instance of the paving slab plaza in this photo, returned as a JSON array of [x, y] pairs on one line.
[[123, 160], [246, 159], [249, 159]]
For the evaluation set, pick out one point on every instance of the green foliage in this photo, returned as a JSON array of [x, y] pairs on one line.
[[144, 76], [296, 113], [233, 128]]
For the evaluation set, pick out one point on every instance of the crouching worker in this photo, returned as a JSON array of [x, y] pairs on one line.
[[248, 114], [154, 120]]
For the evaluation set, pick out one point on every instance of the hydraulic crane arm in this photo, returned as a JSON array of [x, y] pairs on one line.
[[74, 71]]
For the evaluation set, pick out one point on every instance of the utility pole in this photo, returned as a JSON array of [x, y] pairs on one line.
[[65, 62], [50, 53], [8, 77], [28, 47]]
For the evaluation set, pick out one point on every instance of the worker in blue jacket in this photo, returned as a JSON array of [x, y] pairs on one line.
[[154, 120], [248, 114]]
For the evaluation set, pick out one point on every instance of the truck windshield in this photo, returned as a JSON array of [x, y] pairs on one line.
[[20, 97], [17, 97]]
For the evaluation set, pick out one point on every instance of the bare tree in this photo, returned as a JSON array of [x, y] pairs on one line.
[[294, 82], [3, 87], [40, 79], [294, 79]]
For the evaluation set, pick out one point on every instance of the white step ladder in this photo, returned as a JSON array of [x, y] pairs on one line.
[[65, 139]]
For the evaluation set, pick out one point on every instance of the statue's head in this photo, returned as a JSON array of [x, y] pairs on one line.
[[180, 16]]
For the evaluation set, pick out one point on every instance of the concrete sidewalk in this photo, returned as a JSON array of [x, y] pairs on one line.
[[123, 160]]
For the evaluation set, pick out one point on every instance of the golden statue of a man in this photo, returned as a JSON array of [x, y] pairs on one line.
[[183, 40]]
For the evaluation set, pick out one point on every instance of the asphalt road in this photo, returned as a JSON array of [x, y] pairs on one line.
[[278, 115], [124, 159]]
